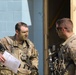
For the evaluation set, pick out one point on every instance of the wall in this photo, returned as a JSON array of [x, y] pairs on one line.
[[11, 12], [36, 30], [73, 13]]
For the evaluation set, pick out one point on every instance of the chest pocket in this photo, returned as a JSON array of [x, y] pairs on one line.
[[21, 53]]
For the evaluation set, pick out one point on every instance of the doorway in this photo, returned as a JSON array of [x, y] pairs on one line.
[[53, 10], [56, 10]]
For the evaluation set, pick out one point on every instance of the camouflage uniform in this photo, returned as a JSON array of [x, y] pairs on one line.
[[68, 56], [26, 53]]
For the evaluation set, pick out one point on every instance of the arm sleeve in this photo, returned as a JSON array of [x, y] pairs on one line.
[[34, 57], [73, 54], [72, 49]]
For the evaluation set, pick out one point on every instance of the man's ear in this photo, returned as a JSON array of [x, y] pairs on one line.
[[17, 32], [63, 30]]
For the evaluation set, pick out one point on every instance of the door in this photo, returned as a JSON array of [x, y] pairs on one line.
[[53, 10], [73, 13]]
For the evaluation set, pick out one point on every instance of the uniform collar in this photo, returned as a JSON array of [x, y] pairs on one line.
[[69, 39], [16, 44]]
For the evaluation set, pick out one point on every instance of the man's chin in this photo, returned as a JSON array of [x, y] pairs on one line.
[[25, 39]]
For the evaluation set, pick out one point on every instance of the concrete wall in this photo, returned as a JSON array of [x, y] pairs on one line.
[[10, 13], [36, 30]]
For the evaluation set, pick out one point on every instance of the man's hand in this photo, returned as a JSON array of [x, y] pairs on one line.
[[2, 59]]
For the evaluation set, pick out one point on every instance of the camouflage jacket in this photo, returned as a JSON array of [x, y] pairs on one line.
[[68, 55], [25, 52]]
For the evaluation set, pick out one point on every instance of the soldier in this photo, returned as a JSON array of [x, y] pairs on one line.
[[67, 53], [23, 49]]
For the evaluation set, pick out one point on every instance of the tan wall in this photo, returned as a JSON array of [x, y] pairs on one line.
[[73, 14]]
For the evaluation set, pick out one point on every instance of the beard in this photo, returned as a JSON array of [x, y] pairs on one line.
[[24, 38]]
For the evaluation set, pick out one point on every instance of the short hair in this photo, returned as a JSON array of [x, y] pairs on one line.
[[66, 23], [19, 24]]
